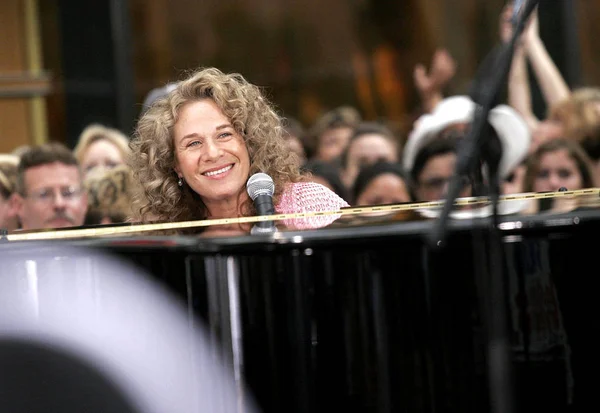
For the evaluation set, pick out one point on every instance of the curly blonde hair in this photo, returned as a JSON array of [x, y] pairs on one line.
[[153, 157], [580, 114], [109, 193]]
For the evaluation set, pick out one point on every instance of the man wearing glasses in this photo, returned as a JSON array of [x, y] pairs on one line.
[[50, 191]]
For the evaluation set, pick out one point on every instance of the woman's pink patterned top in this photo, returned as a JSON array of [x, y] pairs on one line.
[[309, 197]]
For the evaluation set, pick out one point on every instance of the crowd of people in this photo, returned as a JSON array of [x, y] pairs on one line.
[[198, 141]]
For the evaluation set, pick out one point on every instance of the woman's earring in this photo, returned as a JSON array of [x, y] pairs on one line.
[[180, 182]]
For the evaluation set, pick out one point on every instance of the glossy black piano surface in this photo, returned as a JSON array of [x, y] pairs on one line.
[[363, 316]]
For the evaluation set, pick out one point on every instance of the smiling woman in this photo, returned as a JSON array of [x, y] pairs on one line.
[[195, 148], [211, 157]]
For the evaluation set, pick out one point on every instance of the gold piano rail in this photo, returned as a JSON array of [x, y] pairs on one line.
[[137, 228]]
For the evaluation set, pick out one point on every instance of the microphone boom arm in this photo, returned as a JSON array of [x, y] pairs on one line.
[[470, 154]]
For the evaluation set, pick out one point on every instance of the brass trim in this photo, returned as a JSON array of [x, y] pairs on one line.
[[39, 121]]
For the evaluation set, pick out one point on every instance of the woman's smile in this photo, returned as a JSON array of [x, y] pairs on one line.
[[219, 172]]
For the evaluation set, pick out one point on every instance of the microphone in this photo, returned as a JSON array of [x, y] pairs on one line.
[[260, 188]]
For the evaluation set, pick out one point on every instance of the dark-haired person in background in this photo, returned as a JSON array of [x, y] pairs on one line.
[[559, 163], [370, 142], [382, 183], [433, 167], [331, 132]]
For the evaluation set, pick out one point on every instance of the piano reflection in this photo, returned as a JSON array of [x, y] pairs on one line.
[[362, 315]]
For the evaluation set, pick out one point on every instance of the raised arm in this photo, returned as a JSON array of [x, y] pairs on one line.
[[552, 84], [519, 92]]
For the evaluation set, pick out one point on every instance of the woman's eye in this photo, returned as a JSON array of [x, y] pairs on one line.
[[374, 200], [225, 135], [193, 143], [564, 173], [544, 173]]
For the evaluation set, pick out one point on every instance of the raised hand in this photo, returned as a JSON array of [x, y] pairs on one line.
[[441, 71]]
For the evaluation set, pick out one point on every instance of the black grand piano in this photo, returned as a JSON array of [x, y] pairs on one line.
[[365, 316]]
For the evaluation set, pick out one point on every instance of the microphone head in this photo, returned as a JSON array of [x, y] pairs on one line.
[[260, 184]]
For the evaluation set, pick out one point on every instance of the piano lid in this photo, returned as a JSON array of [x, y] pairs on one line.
[[533, 207]]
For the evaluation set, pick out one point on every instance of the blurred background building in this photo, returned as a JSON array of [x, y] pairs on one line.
[[67, 63]]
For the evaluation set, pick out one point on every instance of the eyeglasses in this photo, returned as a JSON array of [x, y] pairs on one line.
[[436, 183], [49, 195]]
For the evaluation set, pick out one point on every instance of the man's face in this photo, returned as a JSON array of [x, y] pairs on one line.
[[432, 182], [53, 198]]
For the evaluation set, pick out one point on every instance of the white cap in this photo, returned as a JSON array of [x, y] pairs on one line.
[[508, 124]]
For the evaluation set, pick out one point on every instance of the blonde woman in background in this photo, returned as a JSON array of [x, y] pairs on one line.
[[101, 147]]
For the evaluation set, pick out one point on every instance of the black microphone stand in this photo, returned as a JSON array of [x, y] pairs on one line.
[[482, 146]]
